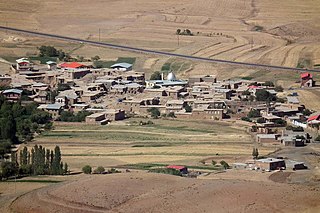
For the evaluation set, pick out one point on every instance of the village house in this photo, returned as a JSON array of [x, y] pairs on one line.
[[175, 105], [51, 65], [106, 116], [201, 78], [54, 109], [12, 94], [133, 105], [5, 80], [181, 169], [307, 80], [122, 66], [79, 107], [267, 138], [271, 164], [23, 64]]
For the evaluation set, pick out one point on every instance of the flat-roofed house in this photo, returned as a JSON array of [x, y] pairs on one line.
[[52, 65], [271, 164], [23, 64], [12, 94], [122, 66], [307, 80], [54, 109]]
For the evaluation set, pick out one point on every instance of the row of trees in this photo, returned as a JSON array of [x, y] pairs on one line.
[[67, 116], [184, 32], [37, 161], [19, 123]]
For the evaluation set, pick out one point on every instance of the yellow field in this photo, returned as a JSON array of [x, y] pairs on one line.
[[266, 31], [166, 141]]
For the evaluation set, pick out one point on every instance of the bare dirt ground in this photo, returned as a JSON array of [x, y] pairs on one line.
[[143, 192]]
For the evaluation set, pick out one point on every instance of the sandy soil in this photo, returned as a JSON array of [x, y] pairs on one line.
[[144, 192]]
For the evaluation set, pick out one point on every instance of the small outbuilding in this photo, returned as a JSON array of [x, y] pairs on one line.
[[122, 66], [182, 169]]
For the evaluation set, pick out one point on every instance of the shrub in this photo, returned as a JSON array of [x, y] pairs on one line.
[[260, 120], [268, 84], [188, 108], [317, 138], [113, 170], [99, 170], [171, 115], [278, 88], [155, 113], [246, 119], [156, 76], [213, 162], [224, 164], [254, 113], [87, 169]]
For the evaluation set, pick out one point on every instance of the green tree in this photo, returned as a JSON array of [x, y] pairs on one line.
[[99, 170], [95, 58], [56, 164], [8, 169], [224, 164], [264, 95], [188, 108], [154, 112], [254, 113], [66, 168], [178, 31], [213, 162], [156, 76], [268, 84], [255, 153], [48, 51], [87, 169]]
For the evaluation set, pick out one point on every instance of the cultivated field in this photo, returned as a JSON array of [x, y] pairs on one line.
[[166, 141], [266, 31]]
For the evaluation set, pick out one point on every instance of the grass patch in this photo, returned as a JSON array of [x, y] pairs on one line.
[[35, 181], [304, 63], [108, 64], [148, 166], [247, 78], [166, 67], [43, 59]]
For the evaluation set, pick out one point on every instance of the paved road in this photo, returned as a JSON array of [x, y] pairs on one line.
[[141, 50]]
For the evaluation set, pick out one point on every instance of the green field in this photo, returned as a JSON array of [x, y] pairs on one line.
[[164, 142]]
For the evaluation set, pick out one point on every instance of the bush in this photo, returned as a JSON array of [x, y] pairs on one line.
[[278, 88], [264, 95], [224, 164], [99, 170], [171, 115], [246, 119], [87, 169], [113, 170], [188, 108], [156, 76], [213, 162], [254, 113], [155, 113], [260, 120], [268, 84], [317, 138]]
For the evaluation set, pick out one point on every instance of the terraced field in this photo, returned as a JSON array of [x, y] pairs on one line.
[[266, 31]]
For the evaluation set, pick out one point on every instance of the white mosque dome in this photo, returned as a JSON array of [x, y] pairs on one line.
[[171, 77]]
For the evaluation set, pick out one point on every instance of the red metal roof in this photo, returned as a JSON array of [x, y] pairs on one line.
[[176, 167], [253, 87], [306, 75], [315, 117], [71, 65]]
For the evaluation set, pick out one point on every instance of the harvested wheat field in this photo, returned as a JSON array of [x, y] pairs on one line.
[[267, 31], [146, 192]]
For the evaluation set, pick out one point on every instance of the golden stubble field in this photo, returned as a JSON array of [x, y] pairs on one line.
[[166, 141], [267, 31]]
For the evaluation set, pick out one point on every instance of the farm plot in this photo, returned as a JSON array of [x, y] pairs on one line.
[[166, 141]]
